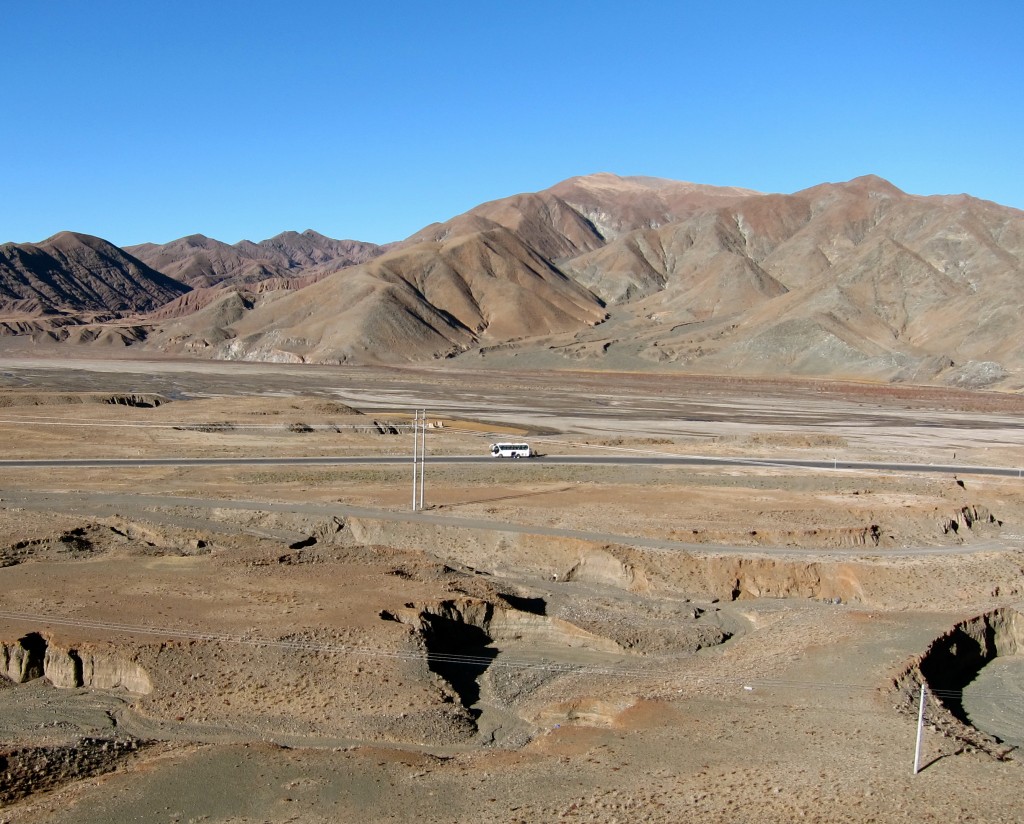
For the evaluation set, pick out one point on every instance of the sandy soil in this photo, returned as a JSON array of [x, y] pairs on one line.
[[544, 642]]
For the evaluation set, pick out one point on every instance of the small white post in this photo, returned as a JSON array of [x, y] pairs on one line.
[[920, 729], [415, 456], [423, 453]]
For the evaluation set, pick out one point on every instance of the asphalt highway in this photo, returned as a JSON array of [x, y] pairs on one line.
[[580, 460]]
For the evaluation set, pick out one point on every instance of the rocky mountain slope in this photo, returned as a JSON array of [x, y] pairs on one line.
[[200, 261], [856, 279], [489, 277], [74, 273]]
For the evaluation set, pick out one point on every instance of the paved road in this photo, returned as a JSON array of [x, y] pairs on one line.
[[580, 460]]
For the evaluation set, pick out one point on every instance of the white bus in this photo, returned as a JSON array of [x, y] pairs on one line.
[[511, 450]]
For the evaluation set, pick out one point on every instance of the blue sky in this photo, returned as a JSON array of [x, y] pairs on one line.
[[143, 121]]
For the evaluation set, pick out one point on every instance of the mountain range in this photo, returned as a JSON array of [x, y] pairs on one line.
[[845, 280]]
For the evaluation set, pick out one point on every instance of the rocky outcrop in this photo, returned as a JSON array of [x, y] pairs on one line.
[[601, 567], [22, 660], [950, 663], [32, 656], [463, 636], [970, 517], [499, 624], [954, 659], [142, 401]]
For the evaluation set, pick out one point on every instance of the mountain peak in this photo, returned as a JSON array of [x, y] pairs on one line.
[[874, 183], [81, 273]]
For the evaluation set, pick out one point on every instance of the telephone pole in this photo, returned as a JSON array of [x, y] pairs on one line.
[[920, 729], [419, 449], [423, 451]]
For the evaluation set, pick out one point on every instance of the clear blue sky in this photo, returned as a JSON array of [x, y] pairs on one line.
[[140, 121]]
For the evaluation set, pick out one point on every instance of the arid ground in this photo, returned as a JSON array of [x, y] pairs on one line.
[[543, 641]]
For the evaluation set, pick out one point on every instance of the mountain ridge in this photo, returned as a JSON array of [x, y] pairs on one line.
[[200, 261], [854, 279], [71, 272]]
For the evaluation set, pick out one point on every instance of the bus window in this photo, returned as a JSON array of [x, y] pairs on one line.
[[511, 450]]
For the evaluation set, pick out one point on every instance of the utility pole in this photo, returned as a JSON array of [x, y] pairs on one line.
[[419, 449], [415, 448], [423, 452], [920, 729]]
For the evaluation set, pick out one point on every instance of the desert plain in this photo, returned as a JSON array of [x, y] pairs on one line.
[[190, 635]]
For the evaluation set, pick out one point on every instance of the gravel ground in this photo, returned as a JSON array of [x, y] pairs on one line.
[[743, 672]]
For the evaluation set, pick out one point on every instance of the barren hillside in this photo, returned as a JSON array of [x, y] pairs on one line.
[[856, 279], [201, 261], [71, 272], [847, 280]]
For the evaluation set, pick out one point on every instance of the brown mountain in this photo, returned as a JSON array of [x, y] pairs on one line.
[[617, 205], [424, 300], [200, 261], [74, 273], [488, 277], [856, 279], [584, 213]]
